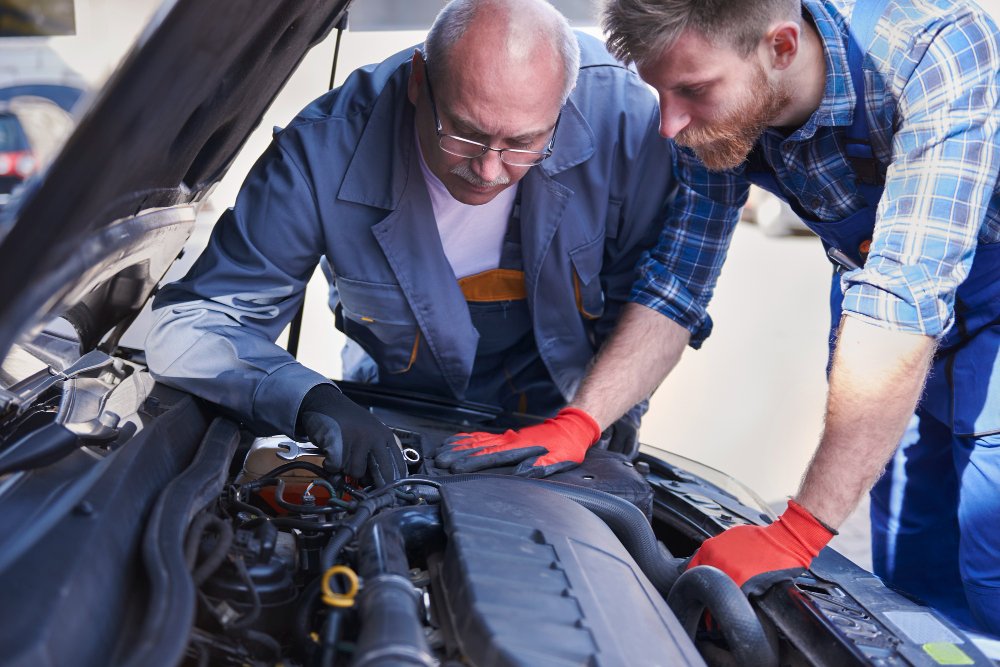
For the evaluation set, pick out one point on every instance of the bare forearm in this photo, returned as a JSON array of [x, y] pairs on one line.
[[875, 383], [643, 349]]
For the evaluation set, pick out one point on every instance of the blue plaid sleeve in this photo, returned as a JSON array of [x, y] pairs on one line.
[[677, 277], [945, 161]]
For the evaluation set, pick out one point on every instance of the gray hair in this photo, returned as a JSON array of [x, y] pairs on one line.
[[640, 30], [539, 22]]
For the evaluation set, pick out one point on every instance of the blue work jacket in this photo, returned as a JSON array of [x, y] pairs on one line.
[[342, 184]]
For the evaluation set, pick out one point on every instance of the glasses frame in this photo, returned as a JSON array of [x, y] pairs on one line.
[[537, 157]]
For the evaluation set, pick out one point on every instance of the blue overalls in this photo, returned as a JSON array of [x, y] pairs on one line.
[[935, 512], [508, 370]]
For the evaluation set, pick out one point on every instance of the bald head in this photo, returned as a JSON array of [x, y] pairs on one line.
[[498, 38]]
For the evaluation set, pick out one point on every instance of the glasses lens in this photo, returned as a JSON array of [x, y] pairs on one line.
[[522, 159], [473, 149], [461, 147]]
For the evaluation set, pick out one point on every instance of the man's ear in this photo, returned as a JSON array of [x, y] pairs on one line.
[[782, 44], [417, 74]]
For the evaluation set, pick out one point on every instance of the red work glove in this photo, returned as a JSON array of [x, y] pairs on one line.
[[557, 444], [779, 551]]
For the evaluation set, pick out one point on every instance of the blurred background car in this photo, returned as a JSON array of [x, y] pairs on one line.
[[38, 92], [31, 130]]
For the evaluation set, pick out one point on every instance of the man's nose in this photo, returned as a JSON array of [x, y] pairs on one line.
[[673, 118], [488, 166]]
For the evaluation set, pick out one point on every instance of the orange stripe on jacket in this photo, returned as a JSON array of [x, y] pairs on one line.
[[494, 285]]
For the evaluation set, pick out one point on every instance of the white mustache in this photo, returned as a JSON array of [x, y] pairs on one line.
[[464, 171]]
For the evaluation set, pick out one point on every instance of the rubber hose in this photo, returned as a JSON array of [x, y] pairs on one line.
[[705, 587], [625, 520], [306, 607], [265, 641], [200, 572], [350, 527], [391, 629], [330, 634], [249, 617]]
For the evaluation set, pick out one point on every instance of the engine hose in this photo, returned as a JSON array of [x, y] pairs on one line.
[[391, 629], [247, 619], [331, 631], [705, 587], [265, 641], [349, 528], [306, 607], [625, 520], [224, 539]]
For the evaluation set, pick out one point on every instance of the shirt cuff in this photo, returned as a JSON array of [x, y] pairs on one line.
[[278, 397], [668, 296], [906, 300]]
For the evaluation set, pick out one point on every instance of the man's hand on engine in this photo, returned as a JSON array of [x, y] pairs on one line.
[[557, 444], [756, 557], [351, 438]]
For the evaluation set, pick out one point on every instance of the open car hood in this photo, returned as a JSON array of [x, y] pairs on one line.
[[116, 205]]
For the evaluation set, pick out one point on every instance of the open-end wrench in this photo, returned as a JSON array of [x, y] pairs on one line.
[[292, 450]]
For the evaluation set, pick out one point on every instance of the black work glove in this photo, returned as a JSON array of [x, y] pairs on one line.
[[351, 438], [622, 437]]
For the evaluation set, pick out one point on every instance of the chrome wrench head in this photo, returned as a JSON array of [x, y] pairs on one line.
[[291, 450]]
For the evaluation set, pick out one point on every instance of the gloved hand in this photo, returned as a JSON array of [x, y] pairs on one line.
[[755, 557], [557, 444], [352, 439]]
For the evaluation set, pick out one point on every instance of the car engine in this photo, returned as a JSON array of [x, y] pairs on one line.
[[139, 528], [295, 564]]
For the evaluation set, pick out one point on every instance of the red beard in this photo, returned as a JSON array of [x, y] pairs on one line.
[[727, 142]]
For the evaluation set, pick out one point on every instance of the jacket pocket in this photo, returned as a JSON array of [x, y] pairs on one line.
[[378, 317], [587, 262]]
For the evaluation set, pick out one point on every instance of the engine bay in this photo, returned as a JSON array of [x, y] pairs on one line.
[[167, 535]]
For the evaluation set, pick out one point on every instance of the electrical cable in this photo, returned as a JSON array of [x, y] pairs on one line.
[[279, 497], [307, 526], [304, 610], [319, 471], [255, 604]]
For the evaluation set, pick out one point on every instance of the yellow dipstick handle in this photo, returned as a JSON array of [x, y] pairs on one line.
[[340, 599]]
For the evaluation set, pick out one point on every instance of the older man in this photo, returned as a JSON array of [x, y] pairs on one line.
[[878, 122], [478, 217]]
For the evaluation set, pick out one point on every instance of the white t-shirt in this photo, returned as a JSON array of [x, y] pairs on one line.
[[472, 236]]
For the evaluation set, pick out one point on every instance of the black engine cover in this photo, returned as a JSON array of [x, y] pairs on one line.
[[532, 578]]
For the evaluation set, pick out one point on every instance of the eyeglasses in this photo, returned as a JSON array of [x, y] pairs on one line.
[[467, 148]]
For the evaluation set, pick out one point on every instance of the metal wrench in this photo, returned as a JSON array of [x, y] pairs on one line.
[[293, 450]]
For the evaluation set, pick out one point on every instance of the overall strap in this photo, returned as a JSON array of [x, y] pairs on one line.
[[510, 255], [859, 148]]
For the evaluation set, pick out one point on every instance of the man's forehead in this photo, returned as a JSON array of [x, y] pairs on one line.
[[690, 61], [502, 102], [509, 120]]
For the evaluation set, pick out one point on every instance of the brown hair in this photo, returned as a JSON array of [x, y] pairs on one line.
[[640, 30]]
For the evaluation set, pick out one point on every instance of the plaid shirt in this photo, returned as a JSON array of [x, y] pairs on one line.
[[932, 81]]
